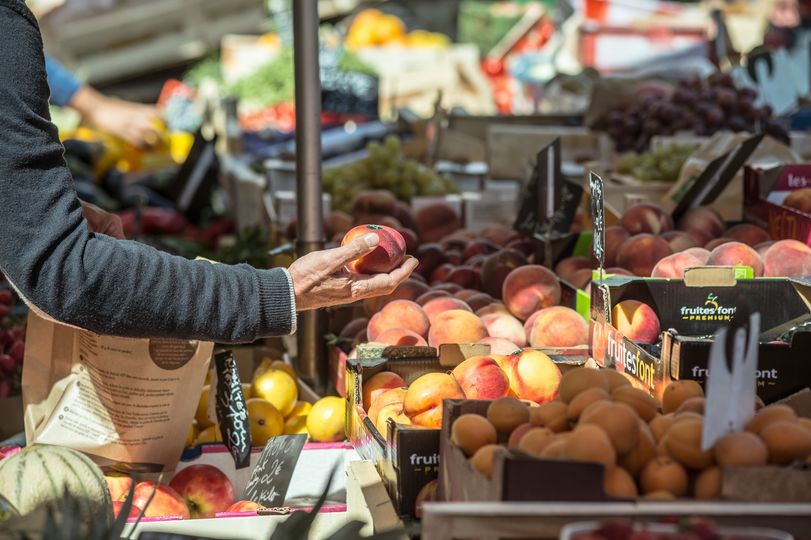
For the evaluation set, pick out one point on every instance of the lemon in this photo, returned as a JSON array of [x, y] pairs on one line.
[[295, 425], [277, 387], [325, 423], [301, 408], [210, 434], [201, 416], [266, 421], [287, 368]]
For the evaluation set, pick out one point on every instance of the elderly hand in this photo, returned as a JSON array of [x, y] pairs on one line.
[[133, 122], [99, 221], [320, 279]]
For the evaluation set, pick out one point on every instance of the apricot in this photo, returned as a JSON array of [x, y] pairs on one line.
[[566, 268], [535, 440], [673, 266], [480, 377], [533, 376], [679, 241], [708, 484], [640, 401], [590, 443], [530, 288], [403, 314], [683, 443], [505, 327], [423, 399], [483, 459], [456, 326], [619, 422], [388, 254], [635, 460], [379, 383], [695, 405], [664, 474], [583, 400], [507, 413], [736, 254], [748, 234], [786, 441], [499, 346], [436, 221], [640, 253], [555, 449], [741, 449], [472, 431], [435, 307], [497, 267], [615, 236], [661, 424], [678, 392], [579, 379], [593, 410], [704, 220], [787, 258], [558, 326], [618, 483], [400, 337], [615, 379], [768, 415], [799, 199], [636, 321], [551, 415], [646, 218], [388, 397]]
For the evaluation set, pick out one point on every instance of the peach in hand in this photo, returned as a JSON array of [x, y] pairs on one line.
[[388, 254]]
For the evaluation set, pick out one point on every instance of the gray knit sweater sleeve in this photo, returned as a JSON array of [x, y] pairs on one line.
[[92, 281]]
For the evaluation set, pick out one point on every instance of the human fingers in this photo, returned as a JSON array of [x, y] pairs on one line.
[[358, 247], [381, 284]]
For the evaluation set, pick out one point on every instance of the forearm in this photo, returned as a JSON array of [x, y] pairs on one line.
[[93, 281], [64, 86]]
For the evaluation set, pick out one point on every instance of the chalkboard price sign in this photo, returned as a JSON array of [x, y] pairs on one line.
[[549, 202], [349, 92], [232, 414], [598, 216], [274, 470]]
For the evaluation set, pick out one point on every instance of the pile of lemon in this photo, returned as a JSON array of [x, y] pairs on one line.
[[373, 28], [274, 409]]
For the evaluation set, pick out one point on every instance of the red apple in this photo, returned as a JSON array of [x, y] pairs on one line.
[[205, 489], [245, 506], [134, 510], [119, 485], [166, 502]]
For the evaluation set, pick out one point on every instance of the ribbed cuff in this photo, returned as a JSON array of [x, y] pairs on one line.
[[277, 302]]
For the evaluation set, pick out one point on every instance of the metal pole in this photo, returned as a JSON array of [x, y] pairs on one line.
[[311, 358]]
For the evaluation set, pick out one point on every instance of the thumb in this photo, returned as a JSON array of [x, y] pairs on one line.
[[357, 248]]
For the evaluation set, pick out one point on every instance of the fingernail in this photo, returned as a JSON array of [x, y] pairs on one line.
[[371, 240]]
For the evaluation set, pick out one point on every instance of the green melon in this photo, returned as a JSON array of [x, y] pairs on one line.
[[40, 474]]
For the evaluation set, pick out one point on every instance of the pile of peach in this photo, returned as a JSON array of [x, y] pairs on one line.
[[530, 375], [649, 244], [599, 417]]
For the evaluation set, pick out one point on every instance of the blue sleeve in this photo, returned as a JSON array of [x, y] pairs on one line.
[[62, 83]]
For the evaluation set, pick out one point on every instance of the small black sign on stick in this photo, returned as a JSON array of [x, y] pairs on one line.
[[232, 414], [598, 217], [274, 470]]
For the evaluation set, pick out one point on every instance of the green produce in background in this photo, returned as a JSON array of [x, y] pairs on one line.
[[660, 165]]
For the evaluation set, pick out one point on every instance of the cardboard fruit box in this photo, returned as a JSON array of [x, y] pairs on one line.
[[765, 192], [519, 477], [408, 456], [691, 311]]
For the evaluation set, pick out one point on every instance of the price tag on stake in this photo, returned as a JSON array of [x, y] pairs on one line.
[[232, 414], [732, 377], [598, 217], [274, 470]]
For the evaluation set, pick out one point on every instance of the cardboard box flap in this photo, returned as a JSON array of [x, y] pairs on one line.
[[710, 276]]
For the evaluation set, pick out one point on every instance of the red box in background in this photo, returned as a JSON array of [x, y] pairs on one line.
[[765, 190]]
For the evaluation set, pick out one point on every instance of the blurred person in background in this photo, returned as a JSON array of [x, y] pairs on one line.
[[133, 122]]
